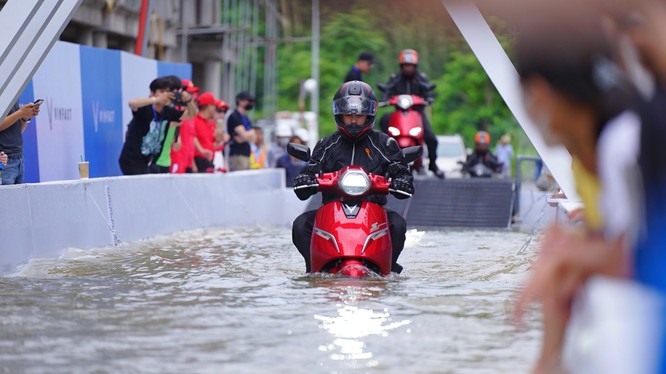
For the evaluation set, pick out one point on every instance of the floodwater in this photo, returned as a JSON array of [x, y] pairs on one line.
[[237, 301]]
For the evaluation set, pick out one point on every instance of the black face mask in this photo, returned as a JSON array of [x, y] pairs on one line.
[[355, 130], [249, 106], [409, 74]]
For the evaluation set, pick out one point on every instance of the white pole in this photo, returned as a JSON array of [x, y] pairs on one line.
[[501, 71], [314, 96], [30, 28]]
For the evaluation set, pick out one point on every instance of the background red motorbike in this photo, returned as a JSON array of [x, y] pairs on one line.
[[351, 235], [406, 124]]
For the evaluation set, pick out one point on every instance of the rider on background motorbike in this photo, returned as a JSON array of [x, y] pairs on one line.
[[409, 81], [482, 154], [355, 143]]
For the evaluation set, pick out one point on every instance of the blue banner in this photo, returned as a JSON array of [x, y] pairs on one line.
[[183, 71], [102, 110], [30, 157]]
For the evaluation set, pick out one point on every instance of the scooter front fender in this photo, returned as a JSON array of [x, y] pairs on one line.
[[364, 236]]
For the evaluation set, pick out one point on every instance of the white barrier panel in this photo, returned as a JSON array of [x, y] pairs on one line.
[[60, 121], [40, 220]]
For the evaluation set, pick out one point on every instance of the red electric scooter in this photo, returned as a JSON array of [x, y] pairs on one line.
[[406, 124], [351, 235]]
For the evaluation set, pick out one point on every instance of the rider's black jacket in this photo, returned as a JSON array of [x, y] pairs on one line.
[[377, 153], [398, 84], [486, 158]]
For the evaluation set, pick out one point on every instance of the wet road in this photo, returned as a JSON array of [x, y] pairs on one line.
[[236, 300]]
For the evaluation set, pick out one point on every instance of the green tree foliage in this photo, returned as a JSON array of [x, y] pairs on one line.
[[466, 99], [339, 48]]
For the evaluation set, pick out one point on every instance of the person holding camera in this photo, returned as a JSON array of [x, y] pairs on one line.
[[146, 131], [11, 140]]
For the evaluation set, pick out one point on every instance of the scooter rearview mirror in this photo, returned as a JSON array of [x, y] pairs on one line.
[[412, 153], [300, 151]]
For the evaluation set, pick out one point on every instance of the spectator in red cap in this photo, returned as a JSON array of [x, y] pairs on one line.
[[221, 136], [222, 107], [204, 125], [182, 151], [190, 88], [164, 161]]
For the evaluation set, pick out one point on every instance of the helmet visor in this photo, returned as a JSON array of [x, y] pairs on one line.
[[354, 105]]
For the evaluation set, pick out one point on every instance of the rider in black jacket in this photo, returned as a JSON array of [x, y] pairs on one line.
[[412, 82], [482, 154], [355, 143]]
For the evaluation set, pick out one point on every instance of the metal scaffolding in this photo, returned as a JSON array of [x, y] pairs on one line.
[[270, 59], [234, 43], [242, 47]]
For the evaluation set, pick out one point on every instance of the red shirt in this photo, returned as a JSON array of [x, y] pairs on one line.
[[205, 133], [182, 159]]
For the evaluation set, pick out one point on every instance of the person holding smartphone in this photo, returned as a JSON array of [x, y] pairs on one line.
[[11, 140]]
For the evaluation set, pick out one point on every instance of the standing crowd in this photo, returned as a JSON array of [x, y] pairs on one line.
[[177, 129]]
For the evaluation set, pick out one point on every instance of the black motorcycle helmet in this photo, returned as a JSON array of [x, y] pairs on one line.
[[355, 97]]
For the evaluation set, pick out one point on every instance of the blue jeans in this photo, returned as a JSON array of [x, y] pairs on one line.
[[13, 171], [538, 165]]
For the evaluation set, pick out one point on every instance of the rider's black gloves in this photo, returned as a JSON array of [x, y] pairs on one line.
[[402, 187], [305, 185]]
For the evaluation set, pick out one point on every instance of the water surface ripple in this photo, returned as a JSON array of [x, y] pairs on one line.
[[236, 300]]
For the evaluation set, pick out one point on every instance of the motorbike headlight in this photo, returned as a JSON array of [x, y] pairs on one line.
[[393, 131], [354, 182], [415, 131], [405, 102]]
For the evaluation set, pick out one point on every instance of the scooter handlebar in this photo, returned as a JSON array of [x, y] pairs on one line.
[[329, 182], [378, 184], [416, 101], [400, 192]]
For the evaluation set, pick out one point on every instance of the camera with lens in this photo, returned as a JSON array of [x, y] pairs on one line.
[[178, 98]]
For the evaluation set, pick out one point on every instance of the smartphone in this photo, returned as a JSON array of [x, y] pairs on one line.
[[38, 101]]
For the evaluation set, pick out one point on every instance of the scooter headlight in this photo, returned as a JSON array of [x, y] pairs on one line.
[[354, 182], [415, 131], [394, 131], [405, 102]]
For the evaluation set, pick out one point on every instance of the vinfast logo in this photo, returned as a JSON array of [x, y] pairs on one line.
[[101, 115], [56, 113], [350, 209]]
